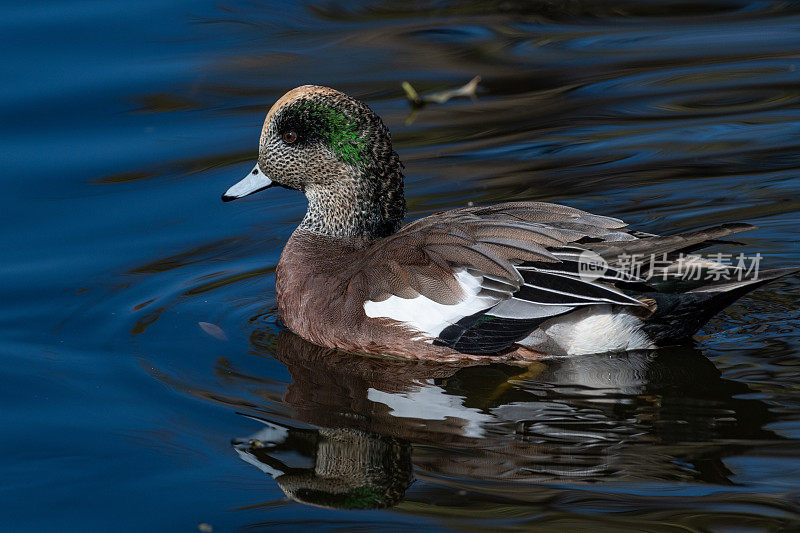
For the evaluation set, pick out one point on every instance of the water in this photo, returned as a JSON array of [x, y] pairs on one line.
[[123, 123]]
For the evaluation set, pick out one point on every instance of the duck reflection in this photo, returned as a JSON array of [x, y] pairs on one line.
[[639, 416], [332, 467]]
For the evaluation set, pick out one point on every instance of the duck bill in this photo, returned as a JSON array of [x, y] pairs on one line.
[[255, 181]]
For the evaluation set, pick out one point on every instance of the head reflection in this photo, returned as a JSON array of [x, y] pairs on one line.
[[643, 416], [331, 467]]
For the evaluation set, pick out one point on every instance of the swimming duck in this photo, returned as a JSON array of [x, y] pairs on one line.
[[504, 281]]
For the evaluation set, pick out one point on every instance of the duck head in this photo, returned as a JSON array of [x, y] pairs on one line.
[[338, 152]]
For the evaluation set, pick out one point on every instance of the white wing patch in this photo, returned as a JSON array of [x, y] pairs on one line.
[[591, 329], [429, 317]]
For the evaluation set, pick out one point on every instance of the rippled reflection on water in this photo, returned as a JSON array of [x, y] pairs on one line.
[[144, 369], [510, 436]]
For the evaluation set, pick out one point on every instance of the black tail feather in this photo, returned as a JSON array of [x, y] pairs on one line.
[[679, 315]]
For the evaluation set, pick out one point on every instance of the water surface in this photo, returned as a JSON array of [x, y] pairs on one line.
[[123, 409]]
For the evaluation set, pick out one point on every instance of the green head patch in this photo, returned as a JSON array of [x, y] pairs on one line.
[[364, 497], [337, 124]]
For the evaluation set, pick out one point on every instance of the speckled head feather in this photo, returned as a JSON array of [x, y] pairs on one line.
[[339, 153]]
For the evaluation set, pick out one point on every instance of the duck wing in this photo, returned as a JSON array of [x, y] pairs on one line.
[[479, 279]]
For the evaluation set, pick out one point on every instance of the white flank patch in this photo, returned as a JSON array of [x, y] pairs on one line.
[[429, 402], [429, 317], [593, 329]]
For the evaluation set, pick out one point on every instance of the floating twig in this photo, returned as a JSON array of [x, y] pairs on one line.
[[418, 101], [440, 97]]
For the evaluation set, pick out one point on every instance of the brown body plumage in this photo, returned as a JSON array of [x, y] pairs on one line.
[[326, 304]]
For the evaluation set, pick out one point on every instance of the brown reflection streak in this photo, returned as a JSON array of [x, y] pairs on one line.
[[164, 103], [187, 257], [228, 280], [141, 325], [542, 10], [184, 167]]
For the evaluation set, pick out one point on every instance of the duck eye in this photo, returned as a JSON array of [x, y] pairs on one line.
[[289, 137]]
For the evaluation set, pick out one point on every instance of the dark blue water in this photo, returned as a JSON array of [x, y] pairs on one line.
[[122, 123]]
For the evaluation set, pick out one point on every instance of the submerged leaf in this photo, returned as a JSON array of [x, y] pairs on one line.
[[213, 330]]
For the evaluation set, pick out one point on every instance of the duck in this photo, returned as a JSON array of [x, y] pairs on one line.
[[509, 281]]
